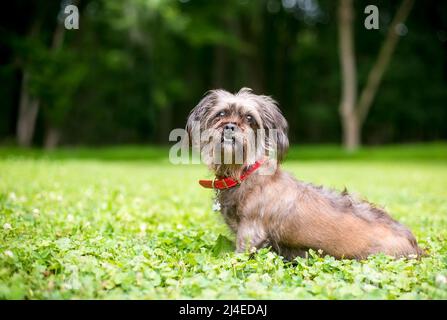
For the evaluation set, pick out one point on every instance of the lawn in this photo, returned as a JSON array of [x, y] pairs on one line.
[[123, 223]]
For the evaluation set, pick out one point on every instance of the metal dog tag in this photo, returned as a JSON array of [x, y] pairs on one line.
[[216, 205]]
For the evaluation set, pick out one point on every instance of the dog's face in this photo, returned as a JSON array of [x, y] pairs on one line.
[[237, 129]]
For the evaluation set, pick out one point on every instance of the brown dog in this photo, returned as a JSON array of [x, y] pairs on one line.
[[265, 206]]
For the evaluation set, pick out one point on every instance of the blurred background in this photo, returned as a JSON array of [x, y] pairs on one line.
[[135, 68]]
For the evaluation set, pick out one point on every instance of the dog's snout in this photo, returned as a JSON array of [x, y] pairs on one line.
[[230, 126]]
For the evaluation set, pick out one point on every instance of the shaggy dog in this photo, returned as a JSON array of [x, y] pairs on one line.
[[266, 207]]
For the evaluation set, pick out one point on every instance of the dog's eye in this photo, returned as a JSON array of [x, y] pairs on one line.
[[249, 118], [220, 114]]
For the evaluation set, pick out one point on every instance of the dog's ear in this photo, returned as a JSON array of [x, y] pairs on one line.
[[273, 119], [200, 111]]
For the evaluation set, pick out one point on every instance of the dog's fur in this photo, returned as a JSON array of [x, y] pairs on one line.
[[289, 215]]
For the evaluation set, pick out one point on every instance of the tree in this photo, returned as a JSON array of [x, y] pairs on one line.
[[135, 68], [41, 87], [354, 109], [52, 134], [28, 104]]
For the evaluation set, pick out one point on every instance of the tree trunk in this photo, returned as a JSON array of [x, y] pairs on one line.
[[52, 134], [383, 59], [351, 132], [350, 125], [353, 113], [28, 105], [28, 109], [51, 138]]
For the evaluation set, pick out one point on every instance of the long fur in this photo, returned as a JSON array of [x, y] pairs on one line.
[[279, 211]]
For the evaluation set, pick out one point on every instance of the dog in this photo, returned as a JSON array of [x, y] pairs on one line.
[[266, 207]]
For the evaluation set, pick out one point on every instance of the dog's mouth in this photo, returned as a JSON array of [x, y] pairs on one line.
[[228, 140]]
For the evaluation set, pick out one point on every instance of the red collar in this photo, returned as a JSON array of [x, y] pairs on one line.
[[227, 183]]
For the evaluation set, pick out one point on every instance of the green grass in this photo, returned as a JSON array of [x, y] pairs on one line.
[[96, 224], [407, 152]]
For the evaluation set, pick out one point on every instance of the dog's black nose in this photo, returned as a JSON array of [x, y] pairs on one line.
[[230, 126]]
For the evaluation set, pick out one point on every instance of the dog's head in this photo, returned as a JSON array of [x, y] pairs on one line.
[[237, 129]]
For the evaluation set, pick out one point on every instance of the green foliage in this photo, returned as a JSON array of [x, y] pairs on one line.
[[222, 245], [55, 79], [54, 71], [84, 228], [135, 68], [429, 152]]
